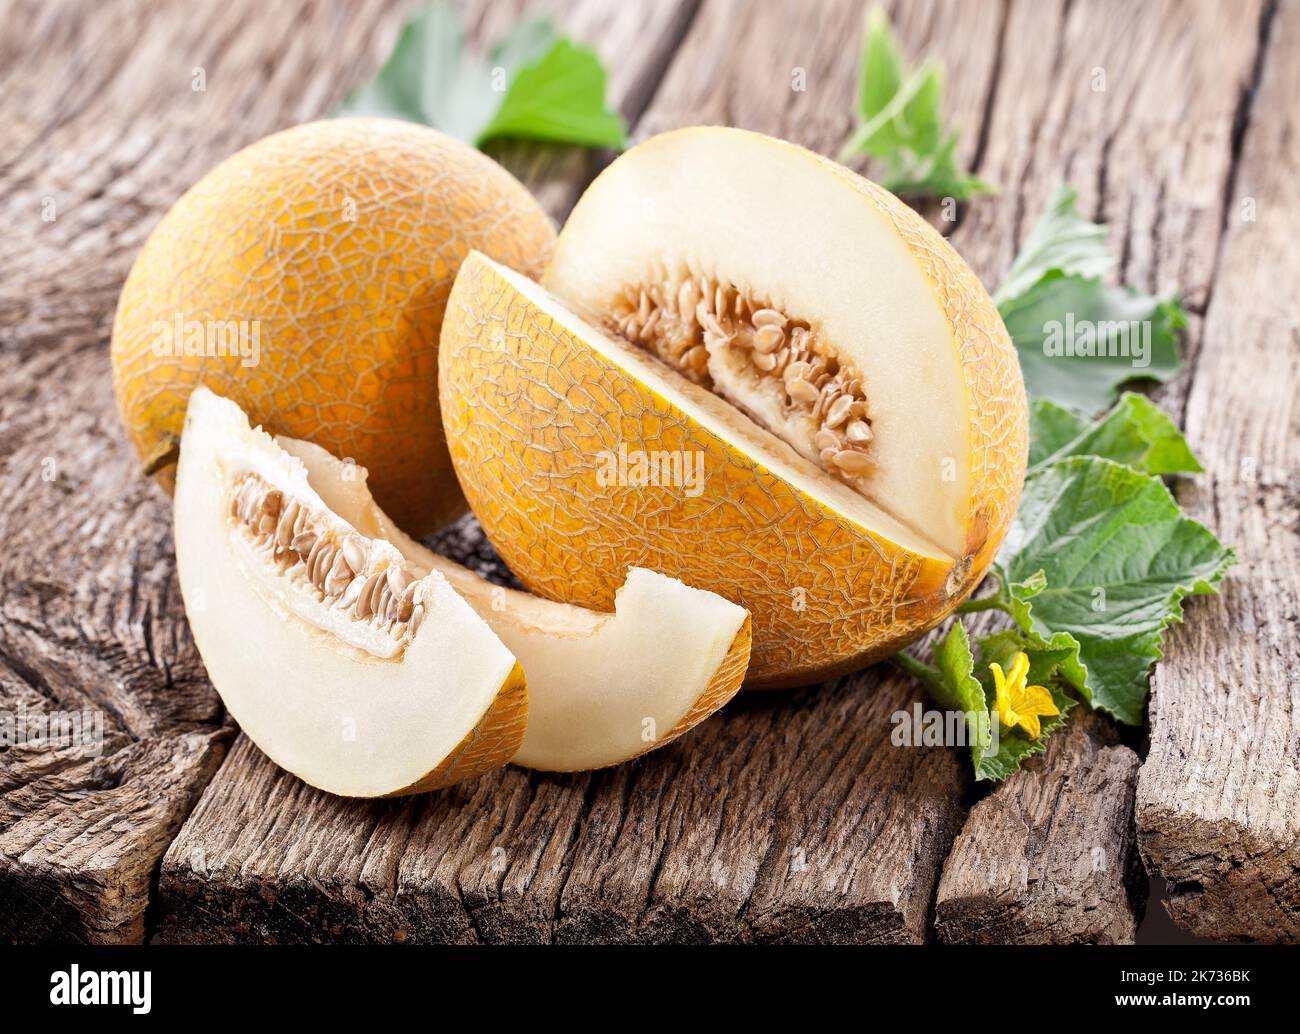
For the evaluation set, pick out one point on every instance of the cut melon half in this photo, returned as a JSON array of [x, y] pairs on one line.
[[348, 667], [603, 688], [748, 368]]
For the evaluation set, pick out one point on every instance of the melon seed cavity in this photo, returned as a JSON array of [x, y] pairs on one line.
[[772, 367], [341, 567]]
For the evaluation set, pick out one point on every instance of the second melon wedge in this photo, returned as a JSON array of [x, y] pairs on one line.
[[358, 673], [603, 687]]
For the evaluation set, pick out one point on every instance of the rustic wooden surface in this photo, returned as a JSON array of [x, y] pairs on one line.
[[1050, 858], [789, 817], [1218, 805]]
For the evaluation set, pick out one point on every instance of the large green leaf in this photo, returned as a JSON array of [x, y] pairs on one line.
[[1061, 242], [533, 85], [1101, 552], [1079, 339], [559, 98], [1135, 432], [1051, 427]]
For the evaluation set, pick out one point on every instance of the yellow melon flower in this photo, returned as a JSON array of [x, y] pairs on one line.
[[1017, 703]]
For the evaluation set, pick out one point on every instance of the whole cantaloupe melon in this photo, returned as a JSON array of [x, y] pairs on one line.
[[305, 278]]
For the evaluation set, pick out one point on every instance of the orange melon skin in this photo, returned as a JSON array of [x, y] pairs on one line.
[[488, 746], [338, 242], [529, 409]]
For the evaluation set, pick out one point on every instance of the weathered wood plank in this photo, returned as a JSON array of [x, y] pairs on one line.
[[705, 84], [771, 823], [1114, 99], [790, 818], [1051, 857], [803, 87], [101, 132], [1218, 802]]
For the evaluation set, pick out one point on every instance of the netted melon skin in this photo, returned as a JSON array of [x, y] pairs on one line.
[[340, 241], [529, 411]]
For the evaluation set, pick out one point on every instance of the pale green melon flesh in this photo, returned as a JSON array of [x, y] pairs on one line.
[[349, 708]]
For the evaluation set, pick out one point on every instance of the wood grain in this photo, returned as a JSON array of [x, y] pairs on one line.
[[103, 132], [1051, 856], [819, 831], [1218, 805], [1113, 99]]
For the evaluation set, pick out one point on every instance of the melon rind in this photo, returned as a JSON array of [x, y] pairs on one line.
[[531, 405], [337, 242], [534, 395]]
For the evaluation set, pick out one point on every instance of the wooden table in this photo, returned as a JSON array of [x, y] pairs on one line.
[[789, 817]]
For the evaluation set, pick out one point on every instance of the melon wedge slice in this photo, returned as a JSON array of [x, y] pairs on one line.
[[355, 672], [603, 688]]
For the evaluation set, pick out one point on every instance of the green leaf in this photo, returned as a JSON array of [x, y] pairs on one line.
[[954, 687], [559, 98], [902, 122], [1052, 427], [957, 689], [1101, 552], [935, 175], [1014, 597], [1135, 432], [881, 73], [1061, 242], [1014, 746], [527, 42], [533, 85], [1079, 339]]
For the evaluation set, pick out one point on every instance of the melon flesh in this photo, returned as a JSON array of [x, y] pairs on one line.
[[603, 687], [789, 232], [351, 706]]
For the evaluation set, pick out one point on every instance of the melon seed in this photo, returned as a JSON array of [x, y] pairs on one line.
[[334, 563], [671, 317]]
